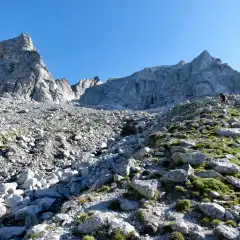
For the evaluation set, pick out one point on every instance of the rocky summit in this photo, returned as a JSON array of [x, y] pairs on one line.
[[70, 172], [166, 85], [23, 74]]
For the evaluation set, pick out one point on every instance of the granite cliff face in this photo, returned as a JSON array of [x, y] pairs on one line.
[[166, 85], [23, 74]]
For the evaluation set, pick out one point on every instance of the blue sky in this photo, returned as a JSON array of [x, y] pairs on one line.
[[114, 38]]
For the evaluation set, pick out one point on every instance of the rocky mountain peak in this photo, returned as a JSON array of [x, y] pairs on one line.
[[166, 85]]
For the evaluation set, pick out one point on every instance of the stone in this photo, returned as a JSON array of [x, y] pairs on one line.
[[175, 176], [29, 210], [117, 178], [47, 192], [194, 158], [24, 176], [214, 194], [177, 149], [143, 151], [124, 167], [45, 232], [146, 188], [227, 232], [224, 166], [13, 200], [93, 223], [213, 210], [128, 205], [234, 181], [3, 210], [29, 183], [123, 226], [180, 226], [46, 216], [45, 203], [209, 174], [229, 216], [229, 132], [7, 188], [62, 217], [10, 232], [31, 220], [52, 179]]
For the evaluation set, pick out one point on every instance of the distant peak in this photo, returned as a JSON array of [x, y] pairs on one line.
[[181, 63], [205, 54]]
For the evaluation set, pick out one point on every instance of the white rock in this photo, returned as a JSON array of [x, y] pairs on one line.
[[213, 210], [93, 223], [146, 188], [227, 232], [13, 200], [29, 210]]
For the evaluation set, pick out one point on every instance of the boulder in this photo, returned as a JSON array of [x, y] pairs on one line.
[[93, 223], [227, 232], [10, 232], [29, 210], [146, 188], [209, 174], [224, 166], [175, 176], [47, 192], [128, 205], [234, 181], [229, 132], [13, 200], [213, 210], [7, 188], [124, 227], [45, 203]]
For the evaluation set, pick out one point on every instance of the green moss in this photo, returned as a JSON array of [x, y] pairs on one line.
[[206, 200], [231, 223], [234, 112], [235, 161], [180, 189], [140, 215], [206, 221], [211, 184], [183, 205], [105, 188], [87, 237], [84, 217], [35, 236], [176, 236], [115, 205], [118, 235], [216, 222]]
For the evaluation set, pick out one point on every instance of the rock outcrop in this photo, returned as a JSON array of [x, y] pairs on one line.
[[166, 85], [23, 74], [71, 92]]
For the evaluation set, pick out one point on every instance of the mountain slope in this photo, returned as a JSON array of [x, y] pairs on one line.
[[166, 85]]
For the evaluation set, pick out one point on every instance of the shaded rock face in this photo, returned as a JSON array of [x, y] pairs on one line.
[[166, 85], [70, 92], [23, 73]]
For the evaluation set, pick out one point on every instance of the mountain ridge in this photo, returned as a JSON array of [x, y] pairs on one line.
[[24, 74]]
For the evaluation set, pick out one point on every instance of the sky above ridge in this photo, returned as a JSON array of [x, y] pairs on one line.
[[114, 38]]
